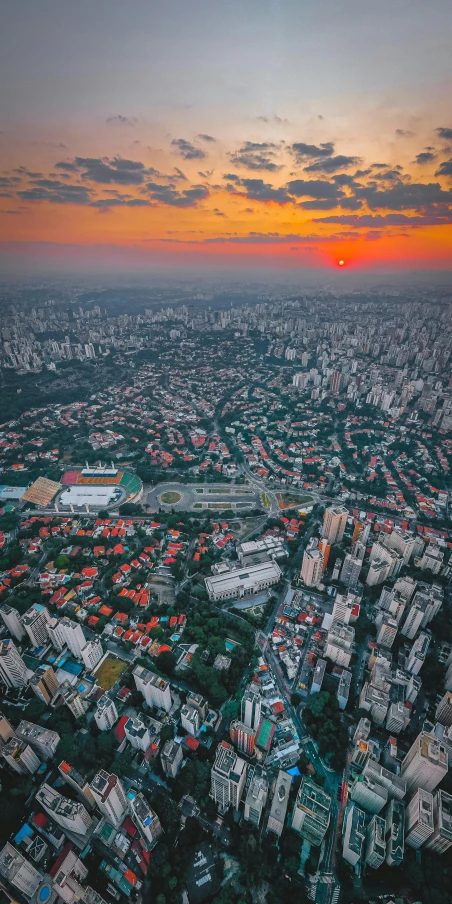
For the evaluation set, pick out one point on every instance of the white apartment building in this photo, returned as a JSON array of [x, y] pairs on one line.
[[334, 524], [228, 778], [73, 700], [190, 719], [55, 633], [74, 638], [20, 757], [19, 872], [110, 797], [146, 821], [425, 764], [67, 813], [369, 794], [91, 654], [354, 833], [311, 814], [414, 617], [419, 825], [340, 644], [441, 838], [418, 653], [106, 714], [375, 842], [35, 622], [43, 740], [171, 758], [137, 733], [156, 691], [12, 621], [251, 709], [13, 670]]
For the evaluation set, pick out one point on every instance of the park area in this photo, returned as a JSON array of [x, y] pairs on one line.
[[109, 671]]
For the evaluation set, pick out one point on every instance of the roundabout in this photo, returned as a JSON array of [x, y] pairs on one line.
[[170, 497]]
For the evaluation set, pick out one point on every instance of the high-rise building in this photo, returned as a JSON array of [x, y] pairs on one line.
[[91, 654], [44, 683], [146, 821], [279, 804], [35, 622], [20, 757], [340, 642], [398, 717], [242, 737], [375, 842], [12, 621], [425, 764], [13, 670], [443, 712], [419, 818], [43, 740], [190, 719], [351, 570], [387, 632], [394, 784], [73, 699], [368, 793], [311, 815], [106, 714], [334, 524], [251, 709], [110, 797], [395, 832], [78, 782], [418, 653], [227, 778], [137, 733], [344, 608], [71, 816], [256, 797], [441, 839], [354, 833], [73, 636], [156, 691], [171, 758], [318, 676], [312, 567]]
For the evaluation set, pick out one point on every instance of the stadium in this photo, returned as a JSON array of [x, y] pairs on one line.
[[98, 488]]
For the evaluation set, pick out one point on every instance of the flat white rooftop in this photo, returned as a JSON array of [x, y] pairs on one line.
[[88, 495]]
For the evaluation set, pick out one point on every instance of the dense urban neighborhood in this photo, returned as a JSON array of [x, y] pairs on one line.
[[225, 595]]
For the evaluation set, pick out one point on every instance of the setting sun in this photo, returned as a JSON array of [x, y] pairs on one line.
[[341, 263]]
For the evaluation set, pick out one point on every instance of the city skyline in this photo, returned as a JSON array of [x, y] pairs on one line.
[[288, 136]]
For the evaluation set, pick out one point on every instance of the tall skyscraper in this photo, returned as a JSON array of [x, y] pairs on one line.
[[13, 670], [242, 737], [12, 621], [419, 818], [251, 709], [227, 778], [334, 524], [441, 839], [425, 764], [311, 815], [312, 567], [35, 622], [110, 797]]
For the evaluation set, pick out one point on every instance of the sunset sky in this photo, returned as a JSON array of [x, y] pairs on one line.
[[284, 133]]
